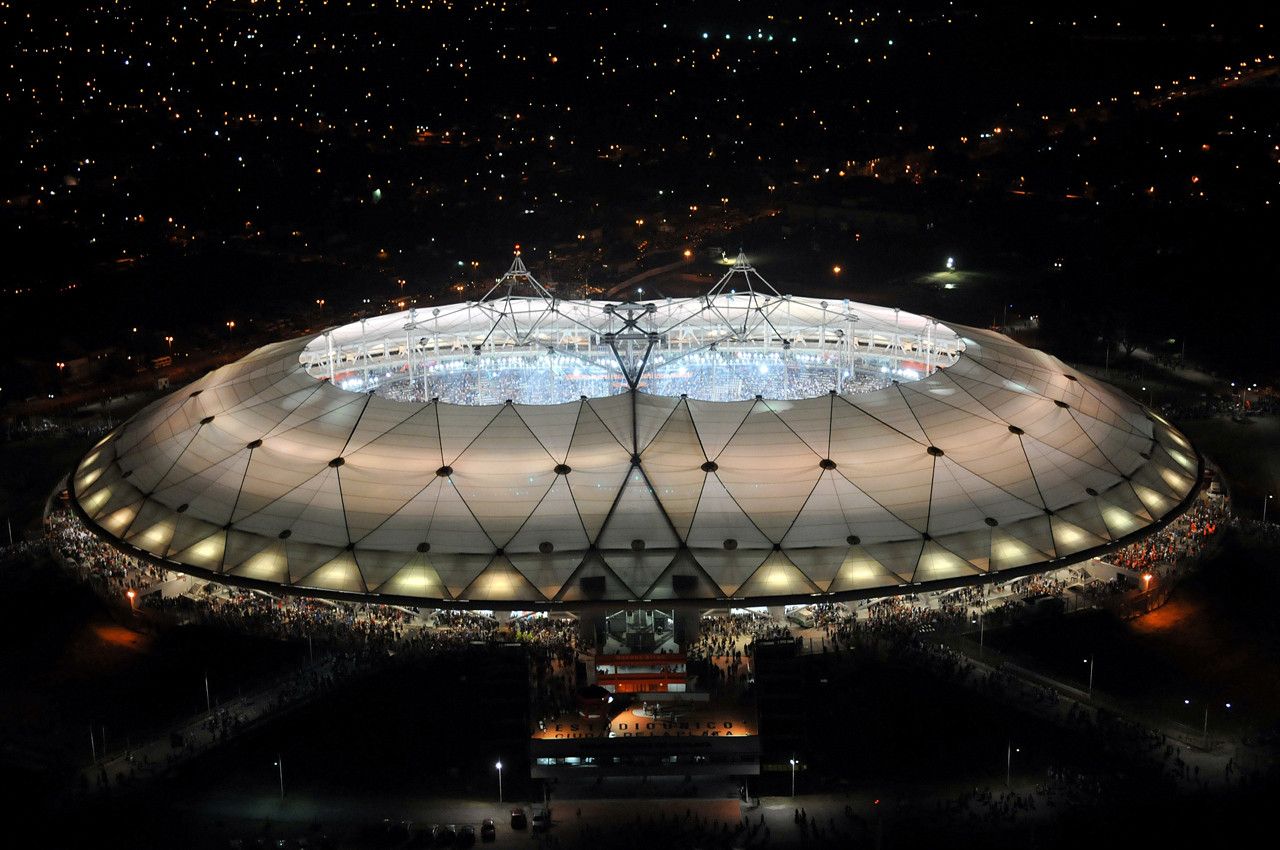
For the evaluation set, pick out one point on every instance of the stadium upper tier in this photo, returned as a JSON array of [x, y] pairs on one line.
[[735, 343], [686, 468]]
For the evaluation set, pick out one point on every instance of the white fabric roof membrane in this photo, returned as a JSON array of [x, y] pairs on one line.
[[1006, 459]]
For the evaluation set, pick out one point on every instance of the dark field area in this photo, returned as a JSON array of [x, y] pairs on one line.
[[1248, 453], [1217, 641], [73, 663]]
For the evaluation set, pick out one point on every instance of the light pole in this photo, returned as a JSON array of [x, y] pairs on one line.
[[169, 340], [498, 765], [1089, 661], [793, 778], [1264, 507], [1008, 763], [208, 703], [1204, 729], [280, 767], [132, 594]]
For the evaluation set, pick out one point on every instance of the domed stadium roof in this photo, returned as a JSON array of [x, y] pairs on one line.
[[902, 453]]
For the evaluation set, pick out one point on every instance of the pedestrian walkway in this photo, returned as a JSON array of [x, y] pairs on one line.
[[157, 753], [1199, 760]]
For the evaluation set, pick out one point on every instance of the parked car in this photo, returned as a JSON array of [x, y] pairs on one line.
[[488, 832], [518, 818]]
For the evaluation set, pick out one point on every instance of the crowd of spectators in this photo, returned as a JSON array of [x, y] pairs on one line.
[[1183, 538], [719, 653], [726, 634], [736, 375], [289, 617], [723, 639], [671, 829], [1210, 406], [545, 378], [721, 650], [45, 426], [334, 624], [901, 618], [495, 378], [108, 570]]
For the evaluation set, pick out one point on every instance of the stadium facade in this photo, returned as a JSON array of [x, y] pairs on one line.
[[740, 448]]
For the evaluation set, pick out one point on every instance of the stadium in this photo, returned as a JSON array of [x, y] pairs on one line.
[[741, 448]]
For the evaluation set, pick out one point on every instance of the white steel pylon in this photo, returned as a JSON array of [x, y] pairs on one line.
[[742, 278], [516, 276], [742, 299], [516, 315]]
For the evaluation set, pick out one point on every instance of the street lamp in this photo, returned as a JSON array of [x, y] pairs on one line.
[[1146, 582], [1264, 501], [793, 778], [1204, 729], [280, 767], [498, 765], [1008, 763], [169, 340], [132, 594], [1089, 661], [231, 326]]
